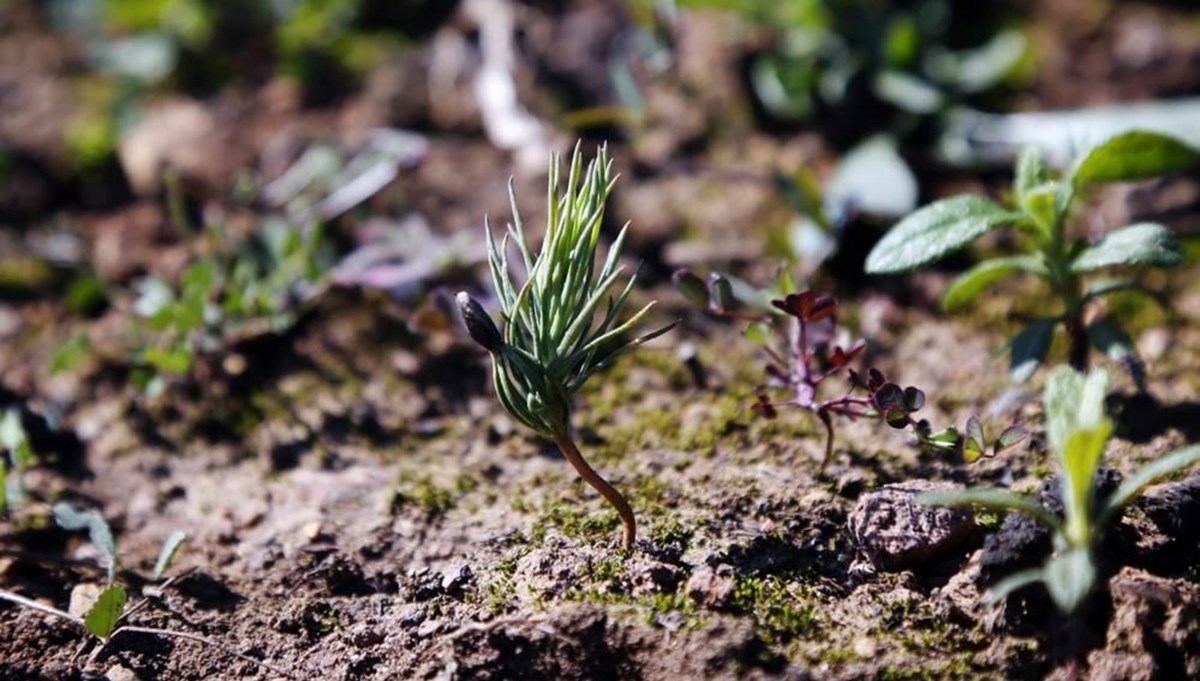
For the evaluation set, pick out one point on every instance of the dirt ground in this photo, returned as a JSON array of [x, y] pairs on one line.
[[358, 505]]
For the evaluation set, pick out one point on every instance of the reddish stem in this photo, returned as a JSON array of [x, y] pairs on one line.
[[591, 477]]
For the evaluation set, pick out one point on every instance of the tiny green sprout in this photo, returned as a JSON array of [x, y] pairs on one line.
[[1042, 205], [561, 324], [1077, 431]]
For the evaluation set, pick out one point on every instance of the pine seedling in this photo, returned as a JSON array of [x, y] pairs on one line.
[[561, 324]]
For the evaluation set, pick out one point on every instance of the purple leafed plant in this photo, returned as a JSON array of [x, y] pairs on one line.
[[811, 356]]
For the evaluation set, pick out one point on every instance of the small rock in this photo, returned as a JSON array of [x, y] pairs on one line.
[[895, 532], [457, 580], [865, 647], [712, 588], [119, 673], [312, 530]]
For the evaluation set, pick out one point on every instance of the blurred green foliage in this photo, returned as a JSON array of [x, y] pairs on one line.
[[258, 285], [882, 57]]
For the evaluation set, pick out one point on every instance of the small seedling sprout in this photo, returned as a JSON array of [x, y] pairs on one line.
[[1042, 208], [561, 324], [1077, 432]]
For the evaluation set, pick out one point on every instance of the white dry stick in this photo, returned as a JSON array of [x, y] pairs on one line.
[[508, 124]]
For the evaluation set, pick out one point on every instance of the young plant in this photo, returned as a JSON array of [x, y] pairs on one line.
[[561, 324], [16, 455], [1077, 432], [256, 286], [108, 615], [1042, 207], [811, 354]]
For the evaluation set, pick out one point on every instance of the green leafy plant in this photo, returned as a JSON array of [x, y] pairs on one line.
[[835, 55], [109, 612], [562, 323], [260, 285], [1077, 432], [1041, 209]]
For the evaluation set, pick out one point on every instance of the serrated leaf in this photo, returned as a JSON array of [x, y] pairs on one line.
[[1110, 339], [1029, 348], [102, 619], [974, 281], [1069, 577], [935, 231], [1168, 464], [1135, 155], [167, 555], [1147, 243]]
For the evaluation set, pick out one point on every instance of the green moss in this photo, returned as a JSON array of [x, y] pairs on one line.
[[420, 491], [782, 610], [588, 526]]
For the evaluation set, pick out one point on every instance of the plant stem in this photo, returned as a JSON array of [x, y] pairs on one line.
[[1078, 353], [610, 493]]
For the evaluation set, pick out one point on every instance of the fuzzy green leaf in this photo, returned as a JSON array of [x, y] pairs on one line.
[[1129, 490], [936, 230], [1017, 580], [1073, 402], [1146, 243], [1079, 460], [992, 498], [1029, 348], [974, 281], [1069, 577], [1135, 155], [102, 619]]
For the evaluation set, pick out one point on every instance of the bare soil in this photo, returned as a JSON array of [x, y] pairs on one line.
[[358, 506]]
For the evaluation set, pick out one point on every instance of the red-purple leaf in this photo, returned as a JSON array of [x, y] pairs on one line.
[[914, 399], [764, 408], [807, 306], [840, 358], [875, 379]]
